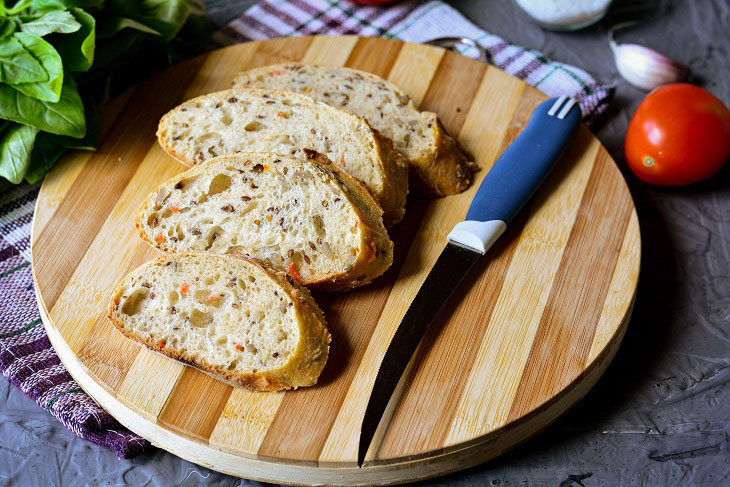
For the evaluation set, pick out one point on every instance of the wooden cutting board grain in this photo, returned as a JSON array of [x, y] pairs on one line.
[[530, 331]]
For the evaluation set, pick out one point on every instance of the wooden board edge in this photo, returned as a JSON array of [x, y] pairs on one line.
[[448, 459], [459, 457], [576, 390], [33, 237]]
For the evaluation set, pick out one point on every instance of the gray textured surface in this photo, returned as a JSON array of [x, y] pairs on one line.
[[660, 415]]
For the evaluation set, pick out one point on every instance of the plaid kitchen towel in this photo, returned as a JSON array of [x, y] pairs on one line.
[[26, 356], [418, 21]]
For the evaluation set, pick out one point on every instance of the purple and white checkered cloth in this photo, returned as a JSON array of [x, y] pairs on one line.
[[26, 356], [418, 21]]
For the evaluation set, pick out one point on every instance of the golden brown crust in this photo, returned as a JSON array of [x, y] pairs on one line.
[[161, 132], [394, 166], [306, 363], [376, 254], [395, 183], [446, 169]]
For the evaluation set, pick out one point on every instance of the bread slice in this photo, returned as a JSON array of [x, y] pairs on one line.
[[439, 166], [303, 216], [244, 120], [231, 318]]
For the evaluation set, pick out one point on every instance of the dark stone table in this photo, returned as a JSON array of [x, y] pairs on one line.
[[659, 416]]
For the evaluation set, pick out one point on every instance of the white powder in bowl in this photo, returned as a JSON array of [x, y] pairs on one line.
[[564, 12]]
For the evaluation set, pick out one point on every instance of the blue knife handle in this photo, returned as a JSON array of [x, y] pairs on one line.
[[518, 173]]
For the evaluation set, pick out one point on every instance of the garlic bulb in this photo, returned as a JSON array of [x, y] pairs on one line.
[[643, 67]]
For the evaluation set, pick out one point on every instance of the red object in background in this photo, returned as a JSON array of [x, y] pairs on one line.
[[374, 2], [680, 134]]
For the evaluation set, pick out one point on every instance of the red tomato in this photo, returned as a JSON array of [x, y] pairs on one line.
[[680, 134]]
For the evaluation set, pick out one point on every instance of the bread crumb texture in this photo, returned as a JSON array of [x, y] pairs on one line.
[[243, 120], [439, 165], [303, 216], [231, 318]]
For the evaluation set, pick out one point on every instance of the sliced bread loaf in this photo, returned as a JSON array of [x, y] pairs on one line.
[[303, 216], [439, 166], [231, 318], [244, 120]]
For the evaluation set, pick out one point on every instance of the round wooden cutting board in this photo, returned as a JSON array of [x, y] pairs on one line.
[[530, 331]]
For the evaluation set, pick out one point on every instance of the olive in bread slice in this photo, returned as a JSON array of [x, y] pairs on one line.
[[304, 216], [243, 120], [242, 323], [438, 164]]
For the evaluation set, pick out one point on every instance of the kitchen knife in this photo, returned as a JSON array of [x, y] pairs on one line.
[[510, 183]]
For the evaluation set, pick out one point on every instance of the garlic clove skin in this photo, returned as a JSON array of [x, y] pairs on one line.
[[646, 68]]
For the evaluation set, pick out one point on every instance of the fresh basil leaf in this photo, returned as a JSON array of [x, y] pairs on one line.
[[45, 5], [109, 26], [19, 6], [15, 149], [49, 147], [108, 52], [17, 65], [171, 11], [46, 152], [66, 117], [50, 60], [165, 16], [7, 26], [77, 48], [92, 138], [61, 21]]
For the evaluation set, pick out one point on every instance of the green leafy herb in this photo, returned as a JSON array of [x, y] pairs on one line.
[[17, 65], [66, 117], [50, 60], [60, 59], [61, 21], [77, 48], [111, 25], [166, 16], [45, 153], [7, 26], [45, 5], [92, 137], [124, 41], [15, 151], [19, 6]]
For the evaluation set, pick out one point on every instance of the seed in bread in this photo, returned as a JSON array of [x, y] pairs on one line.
[[303, 216], [439, 166], [231, 318], [244, 120]]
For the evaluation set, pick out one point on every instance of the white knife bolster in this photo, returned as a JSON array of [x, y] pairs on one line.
[[477, 235]]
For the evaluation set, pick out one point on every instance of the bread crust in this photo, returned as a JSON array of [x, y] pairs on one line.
[[306, 362], [392, 164], [376, 254], [443, 170], [446, 170], [395, 166], [376, 248]]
